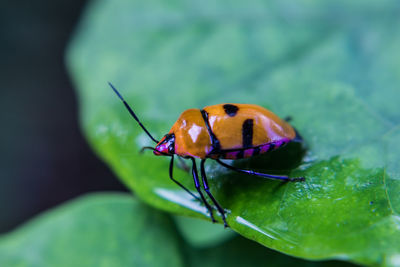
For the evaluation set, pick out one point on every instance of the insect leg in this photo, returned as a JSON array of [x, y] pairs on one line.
[[171, 168], [275, 177], [197, 185], [207, 189]]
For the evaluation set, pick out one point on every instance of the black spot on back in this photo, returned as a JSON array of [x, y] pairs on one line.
[[247, 133], [230, 109]]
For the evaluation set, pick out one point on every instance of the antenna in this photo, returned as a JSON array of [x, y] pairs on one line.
[[132, 113]]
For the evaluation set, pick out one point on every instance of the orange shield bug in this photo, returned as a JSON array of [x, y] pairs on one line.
[[224, 131]]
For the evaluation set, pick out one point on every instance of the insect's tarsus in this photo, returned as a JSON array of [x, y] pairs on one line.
[[132, 113]]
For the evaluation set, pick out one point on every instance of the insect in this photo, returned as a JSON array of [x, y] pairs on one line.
[[224, 131]]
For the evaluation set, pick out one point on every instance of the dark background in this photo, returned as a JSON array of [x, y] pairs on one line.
[[44, 158]]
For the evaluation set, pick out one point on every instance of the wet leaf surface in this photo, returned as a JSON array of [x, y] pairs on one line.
[[332, 66]]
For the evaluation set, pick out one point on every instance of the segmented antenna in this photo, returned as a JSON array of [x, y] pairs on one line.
[[132, 113]]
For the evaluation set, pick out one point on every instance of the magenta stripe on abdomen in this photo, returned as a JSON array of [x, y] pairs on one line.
[[254, 151]]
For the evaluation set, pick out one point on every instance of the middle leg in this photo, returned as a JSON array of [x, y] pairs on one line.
[[207, 189], [197, 185]]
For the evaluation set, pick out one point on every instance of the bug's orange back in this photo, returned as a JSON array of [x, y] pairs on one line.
[[230, 124], [234, 126], [191, 135]]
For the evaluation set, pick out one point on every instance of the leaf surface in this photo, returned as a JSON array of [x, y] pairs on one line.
[[109, 229], [333, 66], [96, 230]]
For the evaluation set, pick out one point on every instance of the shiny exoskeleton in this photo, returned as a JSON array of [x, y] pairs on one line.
[[224, 131]]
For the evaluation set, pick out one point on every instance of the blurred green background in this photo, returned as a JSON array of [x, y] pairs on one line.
[[44, 160]]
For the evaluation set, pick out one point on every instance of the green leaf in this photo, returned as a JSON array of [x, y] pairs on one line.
[[333, 66], [96, 230], [201, 234], [116, 230], [239, 252]]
